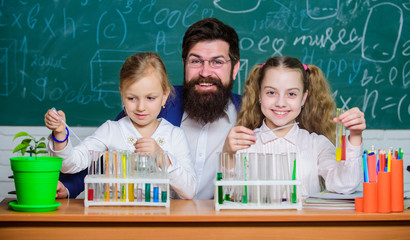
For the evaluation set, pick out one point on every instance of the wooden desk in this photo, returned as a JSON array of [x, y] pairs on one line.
[[187, 219]]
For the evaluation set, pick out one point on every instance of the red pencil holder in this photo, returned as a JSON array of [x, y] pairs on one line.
[[384, 192], [358, 204], [370, 197], [397, 194]]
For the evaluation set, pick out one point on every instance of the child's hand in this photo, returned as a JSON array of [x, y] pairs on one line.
[[354, 120], [53, 122], [239, 138], [61, 190], [149, 146]]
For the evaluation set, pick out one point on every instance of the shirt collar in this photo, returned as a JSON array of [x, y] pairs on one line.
[[269, 136]]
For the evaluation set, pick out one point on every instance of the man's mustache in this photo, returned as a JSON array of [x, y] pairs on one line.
[[211, 80]]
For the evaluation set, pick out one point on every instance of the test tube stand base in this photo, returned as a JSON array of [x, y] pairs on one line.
[[289, 204], [127, 200]]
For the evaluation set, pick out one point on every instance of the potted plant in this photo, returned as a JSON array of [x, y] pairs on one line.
[[35, 177]]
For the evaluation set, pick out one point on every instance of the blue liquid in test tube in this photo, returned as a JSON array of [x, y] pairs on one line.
[[156, 192]]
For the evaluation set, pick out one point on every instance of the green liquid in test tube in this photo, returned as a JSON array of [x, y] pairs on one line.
[[164, 196], [227, 197], [245, 190], [147, 192], [294, 178], [220, 189]]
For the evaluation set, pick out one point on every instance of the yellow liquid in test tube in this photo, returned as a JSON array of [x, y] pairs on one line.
[[340, 137], [338, 154], [131, 192]]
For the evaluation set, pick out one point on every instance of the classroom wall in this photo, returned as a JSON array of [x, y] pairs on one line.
[[378, 138]]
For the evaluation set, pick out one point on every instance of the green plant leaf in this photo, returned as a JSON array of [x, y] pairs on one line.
[[20, 134], [26, 144], [26, 141], [41, 145], [21, 147]]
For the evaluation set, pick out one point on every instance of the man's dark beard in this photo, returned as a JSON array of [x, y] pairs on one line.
[[206, 107]]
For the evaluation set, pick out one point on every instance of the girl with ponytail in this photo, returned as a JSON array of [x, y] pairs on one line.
[[282, 92]]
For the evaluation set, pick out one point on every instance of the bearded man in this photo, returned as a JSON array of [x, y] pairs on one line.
[[204, 107]]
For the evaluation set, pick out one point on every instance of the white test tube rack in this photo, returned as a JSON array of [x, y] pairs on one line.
[[126, 179], [259, 181]]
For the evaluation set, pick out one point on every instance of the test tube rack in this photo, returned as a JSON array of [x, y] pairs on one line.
[[257, 181], [121, 178]]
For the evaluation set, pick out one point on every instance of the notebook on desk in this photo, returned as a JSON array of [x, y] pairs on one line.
[[332, 195], [330, 200]]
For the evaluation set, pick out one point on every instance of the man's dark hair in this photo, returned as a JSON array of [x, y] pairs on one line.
[[209, 29]]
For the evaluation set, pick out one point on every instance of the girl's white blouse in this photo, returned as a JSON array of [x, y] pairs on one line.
[[316, 157], [121, 135]]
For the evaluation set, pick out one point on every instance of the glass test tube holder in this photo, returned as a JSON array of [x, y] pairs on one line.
[[111, 173], [256, 192]]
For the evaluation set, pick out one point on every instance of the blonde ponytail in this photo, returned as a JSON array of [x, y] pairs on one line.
[[317, 114]]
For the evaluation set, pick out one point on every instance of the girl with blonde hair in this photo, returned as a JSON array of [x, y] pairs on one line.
[[282, 92], [144, 88]]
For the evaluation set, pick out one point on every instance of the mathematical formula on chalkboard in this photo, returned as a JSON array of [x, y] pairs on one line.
[[68, 54]]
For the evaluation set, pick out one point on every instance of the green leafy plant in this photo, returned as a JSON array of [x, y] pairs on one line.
[[30, 144]]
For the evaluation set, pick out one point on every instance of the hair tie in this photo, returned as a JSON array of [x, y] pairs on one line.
[[263, 64], [305, 67]]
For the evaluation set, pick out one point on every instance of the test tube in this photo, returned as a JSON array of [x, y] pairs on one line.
[[123, 164], [106, 186], [262, 176], [115, 174], [97, 194], [122, 192], [164, 165], [91, 172], [253, 175], [164, 193], [238, 175], [152, 165], [127, 172], [280, 174], [159, 163], [91, 162], [227, 169], [294, 196], [340, 137], [156, 194], [90, 193], [272, 176], [270, 159], [131, 164], [219, 177], [147, 192], [245, 178], [139, 193]]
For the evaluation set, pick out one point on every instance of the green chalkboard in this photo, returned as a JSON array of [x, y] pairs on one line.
[[67, 54]]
